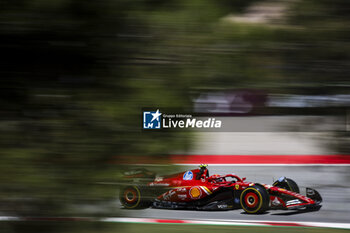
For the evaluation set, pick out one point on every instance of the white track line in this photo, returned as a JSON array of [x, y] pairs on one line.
[[180, 221], [232, 222]]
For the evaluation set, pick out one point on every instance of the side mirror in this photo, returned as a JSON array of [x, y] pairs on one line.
[[244, 178]]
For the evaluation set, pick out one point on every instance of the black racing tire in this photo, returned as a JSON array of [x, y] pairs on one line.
[[289, 184], [255, 199], [134, 197], [292, 186]]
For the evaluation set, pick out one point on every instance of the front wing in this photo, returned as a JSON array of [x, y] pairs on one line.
[[285, 199]]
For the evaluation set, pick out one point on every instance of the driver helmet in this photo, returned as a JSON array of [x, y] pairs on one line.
[[216, 177]]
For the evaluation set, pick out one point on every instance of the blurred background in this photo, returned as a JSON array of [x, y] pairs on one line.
[[75, 75]]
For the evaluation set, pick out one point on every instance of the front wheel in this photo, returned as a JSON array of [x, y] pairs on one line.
[[255, 199]]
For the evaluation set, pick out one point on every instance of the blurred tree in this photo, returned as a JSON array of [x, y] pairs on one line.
[[74, 78], [72, 90]]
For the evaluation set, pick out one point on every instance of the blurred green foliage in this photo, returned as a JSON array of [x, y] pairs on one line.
[[75, 75]]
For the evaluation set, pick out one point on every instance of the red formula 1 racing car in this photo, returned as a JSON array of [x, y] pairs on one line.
[[195, 189]]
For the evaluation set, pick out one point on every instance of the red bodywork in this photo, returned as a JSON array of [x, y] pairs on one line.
[[193, 185]]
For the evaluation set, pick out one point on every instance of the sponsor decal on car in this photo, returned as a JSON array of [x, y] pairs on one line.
[[188, 175], [181, 190], [158, 184], [182, 196], [168, 195], [158, 179], [195, 192], [293, 202]]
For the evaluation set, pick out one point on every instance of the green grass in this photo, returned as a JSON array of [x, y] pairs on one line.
[[89, 227]]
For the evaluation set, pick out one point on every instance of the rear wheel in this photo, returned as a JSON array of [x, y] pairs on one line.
[[132, 197], [255, 199]]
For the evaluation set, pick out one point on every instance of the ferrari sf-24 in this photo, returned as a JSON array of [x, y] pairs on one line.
[[195, 189]]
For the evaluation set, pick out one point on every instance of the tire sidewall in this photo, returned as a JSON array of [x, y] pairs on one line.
[[293, 185], [122, 197]]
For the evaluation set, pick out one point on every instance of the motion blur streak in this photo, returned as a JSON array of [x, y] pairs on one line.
[[75, 76], [288, 160]]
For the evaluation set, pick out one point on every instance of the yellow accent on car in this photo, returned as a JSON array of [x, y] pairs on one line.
[[206, 189]]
